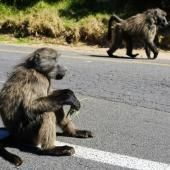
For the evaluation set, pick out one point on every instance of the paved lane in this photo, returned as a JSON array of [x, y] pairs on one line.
[[124, 102]]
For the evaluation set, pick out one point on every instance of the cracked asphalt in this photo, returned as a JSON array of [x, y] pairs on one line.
[[125, 102]]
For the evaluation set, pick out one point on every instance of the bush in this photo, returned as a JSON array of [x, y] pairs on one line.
[[8, 26], [43, 23], [47, 23], [92, 30], [72, 34]]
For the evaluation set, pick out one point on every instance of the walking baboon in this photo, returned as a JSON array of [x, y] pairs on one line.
[[30, 112], [161, 31], [142, 26]]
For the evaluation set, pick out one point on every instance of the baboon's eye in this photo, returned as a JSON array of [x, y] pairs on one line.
[[55, 59], [37, 55]]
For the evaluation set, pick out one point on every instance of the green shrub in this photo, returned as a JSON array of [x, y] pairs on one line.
[[43, 23], [92, 30]]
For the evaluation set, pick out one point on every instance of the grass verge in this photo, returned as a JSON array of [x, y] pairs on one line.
[[54, 20], [58, 21]]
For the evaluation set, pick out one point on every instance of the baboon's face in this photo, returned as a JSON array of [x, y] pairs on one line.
[[45, 60], [58, 72], [161, 17]]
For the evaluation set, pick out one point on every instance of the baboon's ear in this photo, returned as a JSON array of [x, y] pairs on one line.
[[33, 59], [36, 57], [155, 12]]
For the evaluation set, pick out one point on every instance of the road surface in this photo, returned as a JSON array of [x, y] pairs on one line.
[[125, 102]]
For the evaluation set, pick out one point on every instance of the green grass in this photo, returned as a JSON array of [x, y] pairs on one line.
[[61, 21], [66, 20]]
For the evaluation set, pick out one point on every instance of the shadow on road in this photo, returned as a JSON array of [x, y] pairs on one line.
[[117, 57], [27, 148], [3, 132], [22, 147]]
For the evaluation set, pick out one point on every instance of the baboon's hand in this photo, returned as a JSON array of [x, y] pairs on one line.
[[67, 97], [72, 100]]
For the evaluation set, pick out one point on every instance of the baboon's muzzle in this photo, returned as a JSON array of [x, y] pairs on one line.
[[59, 76], [163, 22]]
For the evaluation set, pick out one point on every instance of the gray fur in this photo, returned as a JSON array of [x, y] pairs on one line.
[[30, 111], [142, 26]]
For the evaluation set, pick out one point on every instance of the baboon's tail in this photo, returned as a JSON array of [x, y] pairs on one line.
[[114, 17], [14, 159], [109, 34]]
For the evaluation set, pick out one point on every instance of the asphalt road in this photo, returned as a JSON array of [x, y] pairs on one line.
[[125, 103]]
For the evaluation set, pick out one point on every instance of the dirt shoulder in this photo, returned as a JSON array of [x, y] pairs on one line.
[[81, 48], [120, 52]]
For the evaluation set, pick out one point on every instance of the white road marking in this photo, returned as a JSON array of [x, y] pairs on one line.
[[108, 157], [115, 159], [88, 61]]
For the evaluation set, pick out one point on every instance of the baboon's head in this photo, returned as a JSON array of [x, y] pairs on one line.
[[159, 16], [45, 61]]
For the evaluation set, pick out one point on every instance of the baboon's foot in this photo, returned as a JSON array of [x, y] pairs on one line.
[[109, 53], [17, 161], [133, 55], [155, 56], [83, 134], [78, 134], [59, 151], [149, 57]]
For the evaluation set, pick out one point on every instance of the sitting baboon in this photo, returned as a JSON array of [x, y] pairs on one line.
[[142, 26], [30, 112]]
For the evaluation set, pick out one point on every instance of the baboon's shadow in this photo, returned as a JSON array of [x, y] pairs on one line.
[[62, 134], [3, 132], [117, 57], [24, 147]]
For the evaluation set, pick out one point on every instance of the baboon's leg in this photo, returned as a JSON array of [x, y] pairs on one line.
[[68, 126], [148, 52], [47, 137], [153, 48], [116, 41], [129, 46]]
